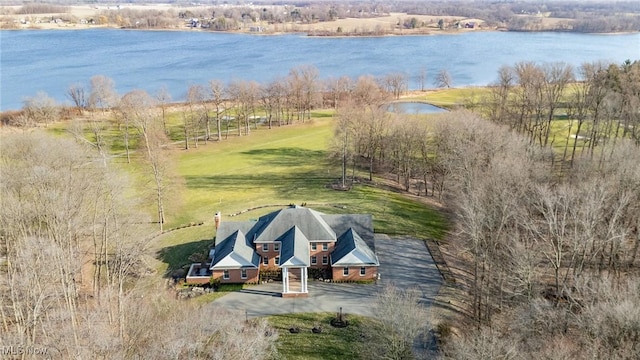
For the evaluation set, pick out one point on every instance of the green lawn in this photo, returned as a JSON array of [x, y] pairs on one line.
[[282, 166], [451, 98], [279, 166], [175, 247], [331, 343], [275, 167]]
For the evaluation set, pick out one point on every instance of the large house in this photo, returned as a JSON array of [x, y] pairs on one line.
[[295, 241]]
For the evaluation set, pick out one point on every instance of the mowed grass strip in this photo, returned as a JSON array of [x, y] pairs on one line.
[[331, 343]]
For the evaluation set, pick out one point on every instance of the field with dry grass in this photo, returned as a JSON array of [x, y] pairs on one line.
[[390, 24]]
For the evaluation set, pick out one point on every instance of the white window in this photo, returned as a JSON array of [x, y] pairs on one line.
[[276, 247], [277, 260], [325, 260], [314, 260], [243, 273], [225, 274], [265, 247], [314, 246], [265, 260], [363, 271], [325, 246], [345, 271]]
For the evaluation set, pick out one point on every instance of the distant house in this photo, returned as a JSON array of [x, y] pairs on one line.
[[470, 25], [295, 243]]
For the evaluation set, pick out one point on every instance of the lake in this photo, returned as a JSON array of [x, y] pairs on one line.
[[410, 107], [50, 61]]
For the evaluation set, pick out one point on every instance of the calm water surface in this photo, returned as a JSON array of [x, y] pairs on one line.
[[50, 61], [414, 108]]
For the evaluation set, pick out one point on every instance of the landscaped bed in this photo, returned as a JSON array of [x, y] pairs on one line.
[[330, 343]]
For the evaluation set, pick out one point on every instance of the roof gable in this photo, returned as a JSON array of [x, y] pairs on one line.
[[352, 250], [234, 252], [295, 248], [309, 222]]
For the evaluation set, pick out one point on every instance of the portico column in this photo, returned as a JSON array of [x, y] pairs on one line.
[[304, 279], [285, 281]]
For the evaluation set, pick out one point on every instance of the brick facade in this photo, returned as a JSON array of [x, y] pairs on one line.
[[270, 254], [371, 273], [235, 276], [319, 253]]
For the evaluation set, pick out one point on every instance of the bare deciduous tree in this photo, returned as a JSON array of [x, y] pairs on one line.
[[40, 109], [102, 93], [442, 79], [78, 96], [218, 97], [395, 83], [402, 318], [163, 97]]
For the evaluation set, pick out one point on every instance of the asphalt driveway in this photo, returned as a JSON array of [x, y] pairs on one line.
[[405, 263]]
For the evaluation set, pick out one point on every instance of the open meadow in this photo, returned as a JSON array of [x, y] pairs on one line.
[[245, 177]]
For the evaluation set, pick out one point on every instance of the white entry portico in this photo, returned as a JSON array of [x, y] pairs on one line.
[[294, 281], [294, 264]]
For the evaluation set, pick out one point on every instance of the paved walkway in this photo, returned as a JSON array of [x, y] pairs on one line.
[[405, 263]]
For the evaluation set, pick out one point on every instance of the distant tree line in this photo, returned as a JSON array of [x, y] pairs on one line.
[[590, 16], [598, 102], [593, 16]]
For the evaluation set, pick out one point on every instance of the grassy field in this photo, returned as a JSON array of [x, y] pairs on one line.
[[282, 166], [331, 343], [449, 98]]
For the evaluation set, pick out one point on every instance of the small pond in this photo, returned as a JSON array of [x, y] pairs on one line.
[[414, 108]]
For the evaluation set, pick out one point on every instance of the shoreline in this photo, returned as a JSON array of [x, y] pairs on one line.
[[308, 33], [384, 25]]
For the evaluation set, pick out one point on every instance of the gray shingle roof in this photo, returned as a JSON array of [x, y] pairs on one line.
[[295, 227], [361, 223], [234, 252], [351, 250], [294, 249], [309, 222], [226, 229]]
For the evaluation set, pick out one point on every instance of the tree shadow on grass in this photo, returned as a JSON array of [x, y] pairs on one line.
[[286, 156], [177, 256], [284, 185]]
